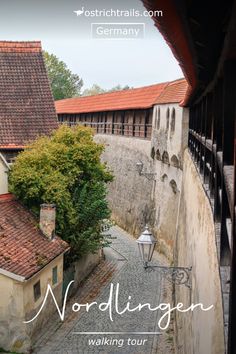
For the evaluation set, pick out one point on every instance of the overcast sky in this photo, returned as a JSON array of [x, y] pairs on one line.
[[110, 62]]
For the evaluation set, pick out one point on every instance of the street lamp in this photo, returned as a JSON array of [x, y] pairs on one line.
[[146, 244], [177, 275]]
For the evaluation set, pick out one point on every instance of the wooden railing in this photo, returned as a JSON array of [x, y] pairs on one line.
[[137, 130]]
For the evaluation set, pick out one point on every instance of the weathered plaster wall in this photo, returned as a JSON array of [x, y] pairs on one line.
[[3, 176], [135, 200], [198, 332], [85, 266], [130, 195], [31, 307], [166, 201], [80, 270], [170, 133], [17, 304], [11, 314], [169, 139]]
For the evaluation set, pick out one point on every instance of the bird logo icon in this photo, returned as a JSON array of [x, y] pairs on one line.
[[79, 12]]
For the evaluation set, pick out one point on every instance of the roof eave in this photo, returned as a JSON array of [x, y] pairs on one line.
[[5, 162], [42, 268], [11, 275], [23, 279]]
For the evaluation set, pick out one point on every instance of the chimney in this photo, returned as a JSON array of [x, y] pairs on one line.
[[48, 220]]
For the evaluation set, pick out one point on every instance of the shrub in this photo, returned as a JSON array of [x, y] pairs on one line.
[[66, 169]]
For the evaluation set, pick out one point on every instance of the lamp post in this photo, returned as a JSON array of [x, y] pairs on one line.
[[177, 275]]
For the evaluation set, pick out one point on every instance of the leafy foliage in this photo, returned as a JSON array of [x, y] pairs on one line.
[[96, 89], [64, 83], [65, 169]]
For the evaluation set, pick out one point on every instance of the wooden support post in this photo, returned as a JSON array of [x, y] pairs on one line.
[[218, 112], [122, 122], [229, 112], [229, 156], [105, 124], [204, 150], [134, 117], [201, 116], [112, 122], [146, 121]]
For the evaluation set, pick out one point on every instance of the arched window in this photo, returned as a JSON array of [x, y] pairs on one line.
[[158, 154], [174, 161], [172, 125], [158, 118], [167, 118], [174, 186], [153, 153], [165, 157], [164, 177]]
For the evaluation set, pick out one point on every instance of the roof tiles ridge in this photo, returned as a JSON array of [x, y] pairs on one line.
[[20, 46], [115, 92]]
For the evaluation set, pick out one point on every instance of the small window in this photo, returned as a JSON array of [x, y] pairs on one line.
[[37, 291], [167, 118], [153, 153], [54, 275], [159, 119], [172, 126], [155, 119]]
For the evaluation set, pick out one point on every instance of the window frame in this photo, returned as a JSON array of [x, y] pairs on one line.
[[37, 290], [54, 275]]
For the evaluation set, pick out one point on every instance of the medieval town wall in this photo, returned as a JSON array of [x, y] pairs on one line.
[[130, 195], [197, 332], [136, 200], [178, 211], [169, 139]]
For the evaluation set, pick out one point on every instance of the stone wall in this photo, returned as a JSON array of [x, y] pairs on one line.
[[136, 200], [130, 195], [198, 332], [170, 133], [85, 266], [166, 202]]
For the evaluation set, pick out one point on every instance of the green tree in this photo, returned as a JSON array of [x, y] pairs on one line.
[[96, 90], [65, 169], [119, 88], [64, 83]]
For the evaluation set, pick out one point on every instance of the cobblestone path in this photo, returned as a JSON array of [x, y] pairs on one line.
[[123, 266]]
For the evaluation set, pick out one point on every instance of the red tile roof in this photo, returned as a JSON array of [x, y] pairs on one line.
[[174, 92], [137, 98], [20, 47], [24, 250], [26, 104]]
